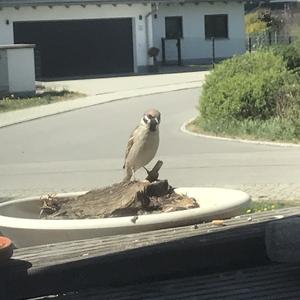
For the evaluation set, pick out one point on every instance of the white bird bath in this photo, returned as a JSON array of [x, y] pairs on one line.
[[19, 219]]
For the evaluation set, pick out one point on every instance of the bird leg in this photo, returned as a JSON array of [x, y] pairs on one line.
[[133, 174], [129, 172]]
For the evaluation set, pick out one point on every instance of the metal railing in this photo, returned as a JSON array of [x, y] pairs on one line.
[[266, 39], [200, 51], [195, 50], [178, 46]]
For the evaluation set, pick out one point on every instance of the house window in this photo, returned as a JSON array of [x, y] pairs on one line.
[[216, 26], [173, 27]]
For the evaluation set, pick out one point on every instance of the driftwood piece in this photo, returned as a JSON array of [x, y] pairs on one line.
[[153, 174], [120, 199]]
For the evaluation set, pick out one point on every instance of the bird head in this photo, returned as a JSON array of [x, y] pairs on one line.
[[151, 119]]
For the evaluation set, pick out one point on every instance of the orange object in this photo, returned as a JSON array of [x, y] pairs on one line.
[[218, 222], [6, 248]]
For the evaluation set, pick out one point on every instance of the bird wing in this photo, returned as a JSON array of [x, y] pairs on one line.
[[129, 144]]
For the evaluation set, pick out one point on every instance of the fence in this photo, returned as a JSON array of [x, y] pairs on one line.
[[195, 50], [266, 39]]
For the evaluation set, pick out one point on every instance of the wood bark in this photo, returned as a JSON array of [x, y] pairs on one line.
[[120, 199]]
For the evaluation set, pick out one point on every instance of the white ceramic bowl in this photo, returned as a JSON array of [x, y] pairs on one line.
[[19, 219]]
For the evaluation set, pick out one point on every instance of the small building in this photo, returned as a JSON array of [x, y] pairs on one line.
[[93, 37], [17, 74]]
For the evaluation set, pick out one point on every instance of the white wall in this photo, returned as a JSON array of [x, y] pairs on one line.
[[3, 71], [194, 45], [78, 12], [21, 74]]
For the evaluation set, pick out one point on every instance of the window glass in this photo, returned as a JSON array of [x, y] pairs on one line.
[[173, 27], [216, 26]]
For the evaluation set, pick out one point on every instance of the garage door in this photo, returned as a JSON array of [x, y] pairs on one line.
[[79, 47]]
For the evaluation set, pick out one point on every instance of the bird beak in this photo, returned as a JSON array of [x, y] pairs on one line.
[[153, 124]]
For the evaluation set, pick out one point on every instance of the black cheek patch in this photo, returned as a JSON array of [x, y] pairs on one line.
[[153, 125]]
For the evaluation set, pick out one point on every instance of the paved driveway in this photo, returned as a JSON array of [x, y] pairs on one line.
[[84, 149], [99, 86], [103, 90]]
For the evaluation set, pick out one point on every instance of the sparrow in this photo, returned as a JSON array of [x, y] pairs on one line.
[[142, 144]]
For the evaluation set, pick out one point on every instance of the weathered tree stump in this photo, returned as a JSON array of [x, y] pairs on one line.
[[120, 199]]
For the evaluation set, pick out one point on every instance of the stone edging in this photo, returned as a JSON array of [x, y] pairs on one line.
[[267, 143]]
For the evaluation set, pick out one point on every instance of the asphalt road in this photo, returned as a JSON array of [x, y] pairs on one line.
[[84, 149]]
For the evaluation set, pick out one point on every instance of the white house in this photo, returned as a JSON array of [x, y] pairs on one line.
[[90, 37]]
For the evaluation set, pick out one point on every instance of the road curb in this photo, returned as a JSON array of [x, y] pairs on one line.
[[264, 143], [34, 113]]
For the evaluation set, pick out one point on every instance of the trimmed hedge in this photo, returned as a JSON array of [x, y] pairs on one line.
[[243, 87], [290, 54], [254, 90]]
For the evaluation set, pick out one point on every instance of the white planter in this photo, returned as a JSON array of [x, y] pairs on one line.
[[19, 219]]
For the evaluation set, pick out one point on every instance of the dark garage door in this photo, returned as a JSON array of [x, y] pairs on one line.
[[79, 47]]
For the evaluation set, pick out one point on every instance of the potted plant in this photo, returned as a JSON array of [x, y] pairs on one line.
[[6, 249], [153, 52]]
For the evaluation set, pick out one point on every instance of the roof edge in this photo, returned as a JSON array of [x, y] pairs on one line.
[[34, 3]]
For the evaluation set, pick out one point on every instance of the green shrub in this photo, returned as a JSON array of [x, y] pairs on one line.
[[252, 95], [254, 24], [243, 87], [290, 53]]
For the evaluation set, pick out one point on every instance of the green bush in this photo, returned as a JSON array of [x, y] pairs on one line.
[[252, 95], [254, 24], [291, 55], [243, 87]]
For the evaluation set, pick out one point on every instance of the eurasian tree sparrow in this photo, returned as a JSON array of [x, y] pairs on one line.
[[143, 143]]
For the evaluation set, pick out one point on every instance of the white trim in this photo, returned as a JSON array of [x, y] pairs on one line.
[[134, 45]]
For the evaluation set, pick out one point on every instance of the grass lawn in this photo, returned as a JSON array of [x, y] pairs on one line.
[[272, 131], [259, 206], [42, 97]]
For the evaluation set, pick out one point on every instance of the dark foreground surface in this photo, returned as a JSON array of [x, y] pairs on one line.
[[203, 261]]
